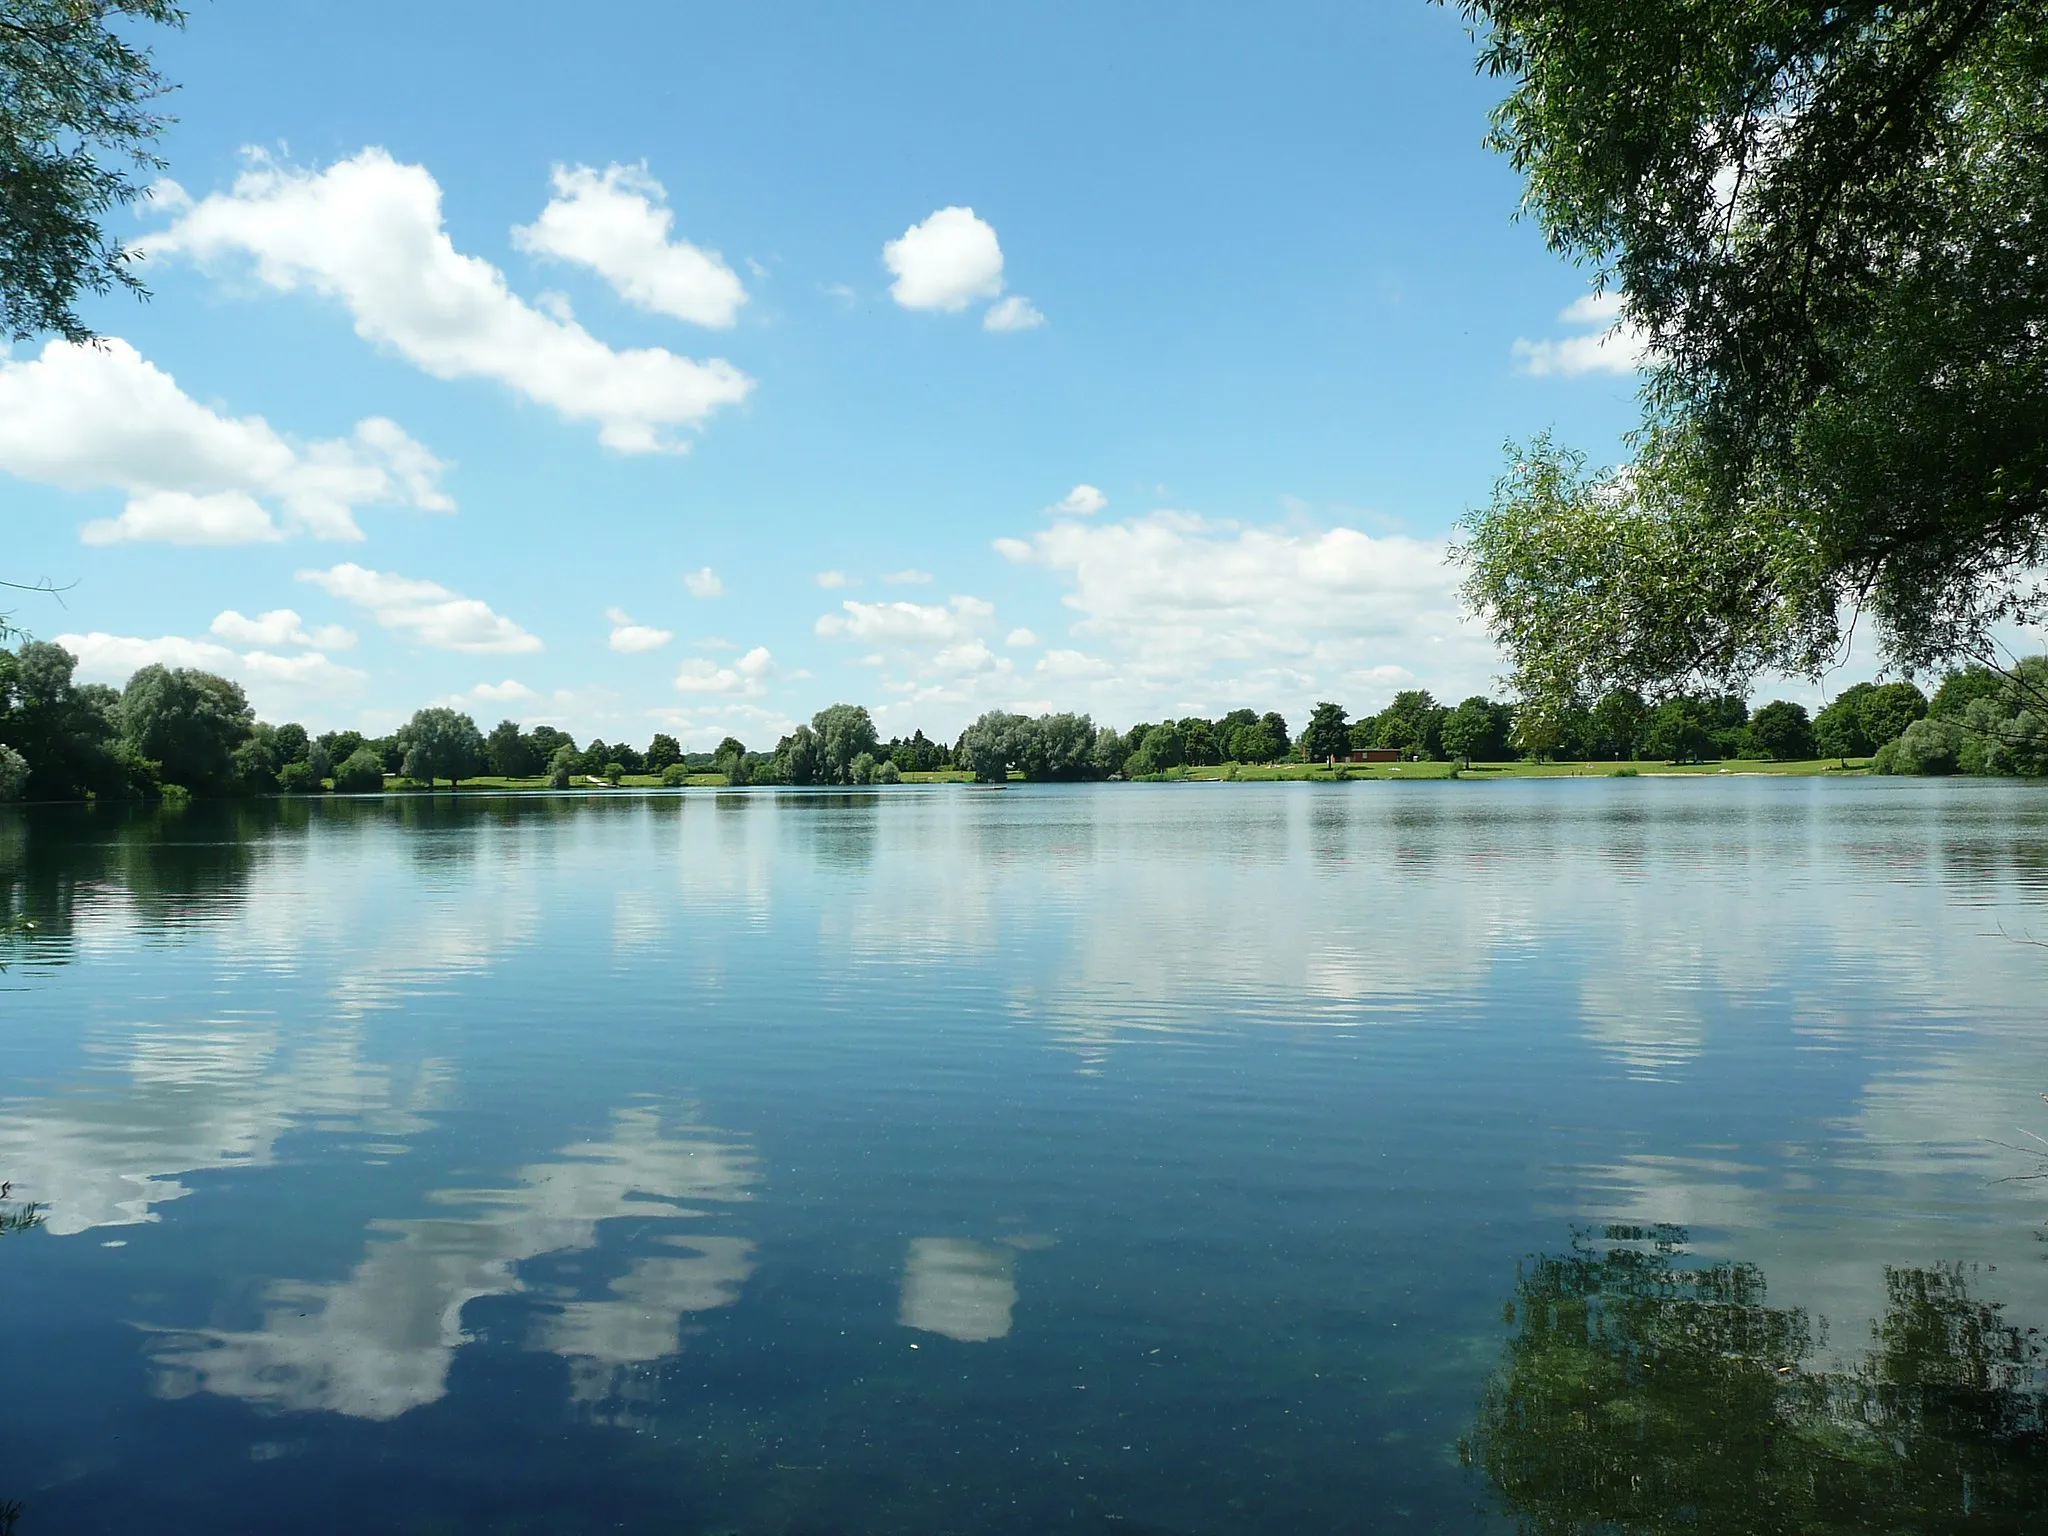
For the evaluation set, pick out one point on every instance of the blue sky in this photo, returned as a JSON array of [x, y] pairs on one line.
[[1266, 305]]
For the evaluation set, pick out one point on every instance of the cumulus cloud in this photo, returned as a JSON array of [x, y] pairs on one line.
[[510, 691], [1609, 345], [280, 627], [633, 638], [275, 683], [908, 578], [1020, 638], [1016, 313], [1211, 614], [425, 610], [905, 622], [704, 583], [368, 232], [832, 581], [616, 222], [1082, 501], [946, 262], [90, 417], [747, 677]]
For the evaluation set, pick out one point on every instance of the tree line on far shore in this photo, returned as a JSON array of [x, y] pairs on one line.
[[177, 731]]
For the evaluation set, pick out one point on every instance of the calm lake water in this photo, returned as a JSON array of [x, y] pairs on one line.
[[1181, 1158]]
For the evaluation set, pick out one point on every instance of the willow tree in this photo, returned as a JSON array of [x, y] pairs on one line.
[[1828, 223]]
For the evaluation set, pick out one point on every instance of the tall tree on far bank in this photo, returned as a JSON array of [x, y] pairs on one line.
[[1828, 226], [441, 743], [77, 130]]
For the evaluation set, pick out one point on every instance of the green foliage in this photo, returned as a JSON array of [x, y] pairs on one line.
[[862, 769], [613, 772], [799, 757], [1411, 725], [1158, 751], [1828, 223], [729, 757], [886, 772], [298, 779], [1680, 730], [13, 773], [76, 130], [192, 724], [441, 744], [662, 752], [562, 765], [64, 731], [361, 772], [845, 732], [1641, 1395], [1327, 734], [1782, 730], [1987, 723], [675, 775], [511, 753], [1477, 729], [1866, 717]]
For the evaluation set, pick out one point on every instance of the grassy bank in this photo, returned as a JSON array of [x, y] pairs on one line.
[[1251, 773]]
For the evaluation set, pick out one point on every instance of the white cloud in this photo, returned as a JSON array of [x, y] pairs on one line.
[[426, 610], [276, 684], [832, 581], [368, 231], [1613, 347], [907, 578], [1082, 501], [616, 222], [1020, 638], [747, 676], [1016, 313], [102, 416], [509, 691], [280, 627], [704, 583], [945, 263], [632, 638], [1208, 614], [907, 623]]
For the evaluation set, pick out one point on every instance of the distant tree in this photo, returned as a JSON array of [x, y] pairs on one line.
[[342, 745], [255, 763], [361, 772], [1412, 724], [319, 764], [1229, 732], [1617, 720], [729, 757], [1962, 688], [562, 765], [800, 757], [1782, 729], [1256, 744], [844, 731], [675, 775], [1276, 724], [1476, 729], [76, 142], [886, 772], [392, 750], [547, 741], [1198, 742], [1066, 748], [441, 743], [1110, 752], [1680, 730], [290, 744], [190, 723], [1888, 709], [297, 779], [510, 753], [613, 772], [1327, 733], [1160, 750], [997, 742], [661, 752], [862, 769]]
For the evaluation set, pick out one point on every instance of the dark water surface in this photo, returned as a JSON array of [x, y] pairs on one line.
[[1233, 1158]]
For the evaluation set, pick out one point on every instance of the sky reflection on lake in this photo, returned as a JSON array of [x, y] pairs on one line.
[[1149, 1158]]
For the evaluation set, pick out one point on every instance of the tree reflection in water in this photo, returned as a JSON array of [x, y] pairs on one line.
[[1641, 1394]]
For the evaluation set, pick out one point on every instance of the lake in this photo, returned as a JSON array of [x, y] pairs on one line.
[[1183, 1158]]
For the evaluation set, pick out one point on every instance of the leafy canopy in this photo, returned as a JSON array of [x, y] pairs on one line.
[[77, 123], [1829, 224]]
